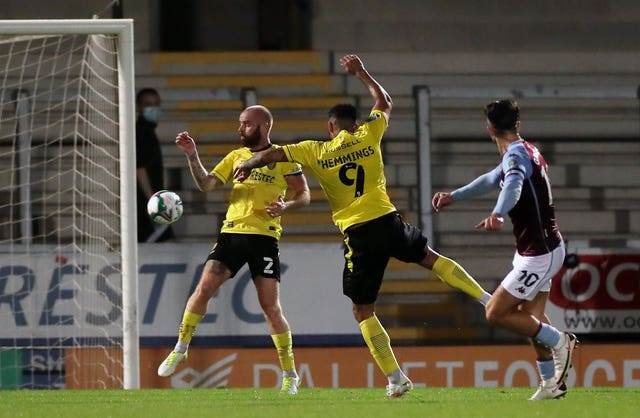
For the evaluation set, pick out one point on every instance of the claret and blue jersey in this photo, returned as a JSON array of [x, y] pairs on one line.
[[525, 196], [533, 216]]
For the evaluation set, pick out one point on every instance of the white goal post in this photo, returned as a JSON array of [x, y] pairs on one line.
[[63, 143]]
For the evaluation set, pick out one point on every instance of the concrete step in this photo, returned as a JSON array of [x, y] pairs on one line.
[[543, 67], [448, 314], [574, 175], [272, 103], [595, 221], [264, 84], [426, 333], [233, 62], [286, 131]]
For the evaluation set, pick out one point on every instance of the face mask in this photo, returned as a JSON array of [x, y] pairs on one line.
[[152, 113]]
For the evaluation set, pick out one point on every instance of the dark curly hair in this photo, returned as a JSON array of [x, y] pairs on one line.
[[503, 115]]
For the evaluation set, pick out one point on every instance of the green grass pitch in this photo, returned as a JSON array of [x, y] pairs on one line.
[[311, 402]]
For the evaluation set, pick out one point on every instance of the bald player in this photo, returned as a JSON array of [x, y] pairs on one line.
[[249, 234]]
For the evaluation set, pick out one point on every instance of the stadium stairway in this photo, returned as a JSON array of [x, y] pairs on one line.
[[597, 198], [203, 92], [595, 180], [591, 145]]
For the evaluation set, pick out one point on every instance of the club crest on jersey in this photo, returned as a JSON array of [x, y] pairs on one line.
[[371, 118], [271, 165], [512, 163]]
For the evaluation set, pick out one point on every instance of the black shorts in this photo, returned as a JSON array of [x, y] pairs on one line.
[[261, 252], [368, 249]]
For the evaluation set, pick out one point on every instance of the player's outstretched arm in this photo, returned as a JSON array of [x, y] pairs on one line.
[[259, 159], [204, 180], [353, 65]]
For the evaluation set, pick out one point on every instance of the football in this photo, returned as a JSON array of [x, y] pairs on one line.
[[164, 207]]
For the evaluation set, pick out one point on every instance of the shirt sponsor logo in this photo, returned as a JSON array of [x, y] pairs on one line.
[[261, 177]]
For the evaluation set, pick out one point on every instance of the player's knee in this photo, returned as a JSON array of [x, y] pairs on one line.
[[205, 290], [272, 313], [492, 315], [362, 312]]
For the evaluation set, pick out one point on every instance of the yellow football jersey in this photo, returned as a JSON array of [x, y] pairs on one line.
[[350, 171], [246, 213]]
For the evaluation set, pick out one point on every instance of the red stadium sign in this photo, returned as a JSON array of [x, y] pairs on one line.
[[602, 294]]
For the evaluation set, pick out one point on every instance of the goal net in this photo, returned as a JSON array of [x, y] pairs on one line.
[[67, 205]]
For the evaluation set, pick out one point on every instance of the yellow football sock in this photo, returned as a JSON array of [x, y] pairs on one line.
[[284, 345], [454, 275], [379, 344], [188, 326]]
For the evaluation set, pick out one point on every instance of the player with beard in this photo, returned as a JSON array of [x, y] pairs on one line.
[[350, 169], [249, 234]]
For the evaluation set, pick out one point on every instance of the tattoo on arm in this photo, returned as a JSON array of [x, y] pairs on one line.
[[198, 172]]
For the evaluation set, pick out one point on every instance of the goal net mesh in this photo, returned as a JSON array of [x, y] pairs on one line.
[[60, 243]]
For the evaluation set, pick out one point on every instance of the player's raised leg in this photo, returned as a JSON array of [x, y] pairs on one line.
[[452, 273], [213, 276]]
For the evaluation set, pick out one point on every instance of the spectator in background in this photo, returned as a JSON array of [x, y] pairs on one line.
[[149, 167]]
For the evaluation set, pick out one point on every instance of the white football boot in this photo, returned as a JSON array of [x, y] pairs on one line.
[[562, 354], [396, 391], [169, 364], [549, 390]]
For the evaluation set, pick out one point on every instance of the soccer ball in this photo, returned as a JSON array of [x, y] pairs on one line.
[[164, 207]]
